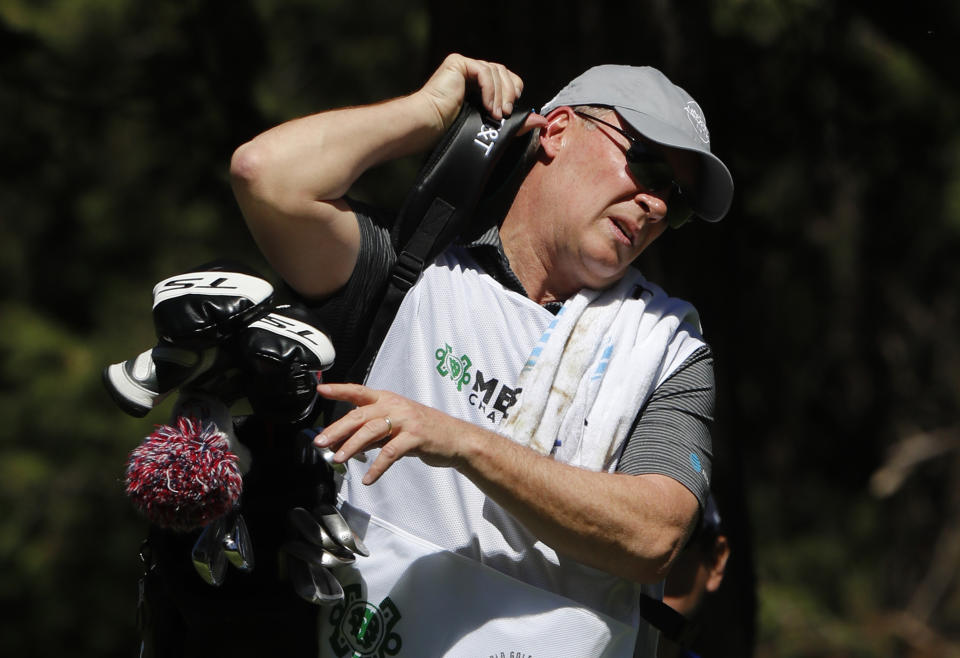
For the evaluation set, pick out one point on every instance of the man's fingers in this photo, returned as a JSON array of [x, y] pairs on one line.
[[370, 434], [499, 86], [391, 451], [517, 84], [510, 88], [488, 81], [361, 397], [355, 393]]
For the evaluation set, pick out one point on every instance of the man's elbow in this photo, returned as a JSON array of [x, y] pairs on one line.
[[654, 555], [660, 528], [262, 190], [247, 166]]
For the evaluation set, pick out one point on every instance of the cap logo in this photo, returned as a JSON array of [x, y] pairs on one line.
[[695, 114]]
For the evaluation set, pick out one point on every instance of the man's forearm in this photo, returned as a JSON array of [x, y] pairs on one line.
[[289, 182], [629, 525], [318, 157]]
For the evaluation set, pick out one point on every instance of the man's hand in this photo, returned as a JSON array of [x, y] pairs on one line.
[[398, 426], [445, 90]]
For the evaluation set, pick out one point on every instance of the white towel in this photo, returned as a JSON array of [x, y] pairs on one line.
[[595, 366]]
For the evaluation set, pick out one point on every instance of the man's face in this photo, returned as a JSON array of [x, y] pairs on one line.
[[604, 217]]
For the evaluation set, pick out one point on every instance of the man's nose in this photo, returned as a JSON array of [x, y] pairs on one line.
[[654, 207]]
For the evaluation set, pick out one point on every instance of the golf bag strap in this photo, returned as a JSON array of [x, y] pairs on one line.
[[671, 624], [406, 270]]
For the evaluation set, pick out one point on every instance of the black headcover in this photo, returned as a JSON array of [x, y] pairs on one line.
[[475, 157], [201, 308]]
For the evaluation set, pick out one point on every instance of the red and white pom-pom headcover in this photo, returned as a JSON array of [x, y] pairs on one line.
[[190, 472]]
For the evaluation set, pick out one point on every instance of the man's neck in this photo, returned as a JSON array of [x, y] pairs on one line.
[[525, 235]]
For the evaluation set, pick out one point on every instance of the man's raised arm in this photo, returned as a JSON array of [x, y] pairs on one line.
[[290, 180]]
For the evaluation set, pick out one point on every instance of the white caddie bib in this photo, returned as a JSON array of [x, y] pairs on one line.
[[450, 573]]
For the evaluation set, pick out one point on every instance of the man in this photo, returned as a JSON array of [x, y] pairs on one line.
[[540, 543]]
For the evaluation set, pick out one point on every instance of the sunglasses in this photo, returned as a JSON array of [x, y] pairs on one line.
[[652, 171]]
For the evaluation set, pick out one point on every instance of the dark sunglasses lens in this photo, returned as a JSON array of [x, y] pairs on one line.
[[649, 168], [654, 176], [652, 172]]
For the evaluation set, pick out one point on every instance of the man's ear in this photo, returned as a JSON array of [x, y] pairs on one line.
[[719, 556], [552, 134]]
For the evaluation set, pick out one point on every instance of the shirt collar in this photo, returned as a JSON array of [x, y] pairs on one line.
[[487, 250]]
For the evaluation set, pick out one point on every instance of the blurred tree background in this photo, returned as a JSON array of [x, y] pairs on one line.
[[829, 293]]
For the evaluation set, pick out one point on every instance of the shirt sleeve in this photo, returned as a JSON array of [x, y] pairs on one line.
[[671, 435], [346, 315]]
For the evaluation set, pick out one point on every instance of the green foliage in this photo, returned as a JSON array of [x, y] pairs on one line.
[[67, 538], [845, 169], [768, 23]]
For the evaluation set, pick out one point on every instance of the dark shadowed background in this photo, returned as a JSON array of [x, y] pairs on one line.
[[829, 293]]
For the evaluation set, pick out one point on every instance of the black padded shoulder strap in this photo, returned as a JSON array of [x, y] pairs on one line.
[[473, 159], [441, 204]]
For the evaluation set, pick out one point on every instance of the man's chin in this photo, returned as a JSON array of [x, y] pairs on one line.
[[603, 274]]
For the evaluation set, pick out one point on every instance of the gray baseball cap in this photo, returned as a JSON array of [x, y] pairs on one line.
[[662, 112]]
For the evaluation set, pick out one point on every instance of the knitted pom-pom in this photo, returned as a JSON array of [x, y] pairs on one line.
[[183, 477]]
